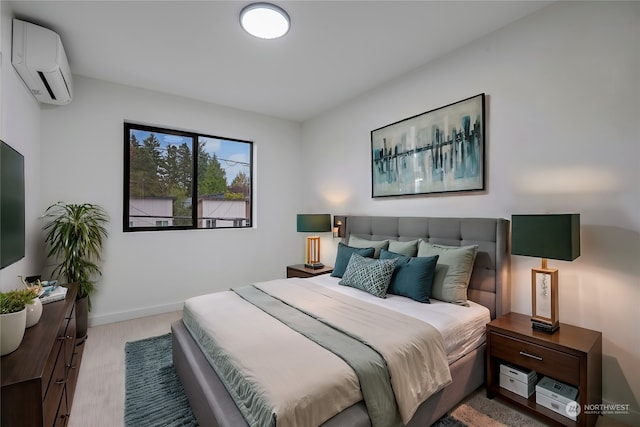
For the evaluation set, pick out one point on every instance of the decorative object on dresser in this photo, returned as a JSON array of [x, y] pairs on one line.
[[75, 235], [34, 308], [39, 378], [300, 270], [571, 358], [545, 236], [439, 151], [313, 223], [13, 318]]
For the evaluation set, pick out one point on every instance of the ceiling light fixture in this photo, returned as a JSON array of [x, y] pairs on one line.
[[265, 20]]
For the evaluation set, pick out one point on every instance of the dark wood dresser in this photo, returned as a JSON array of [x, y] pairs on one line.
[[39, 378]]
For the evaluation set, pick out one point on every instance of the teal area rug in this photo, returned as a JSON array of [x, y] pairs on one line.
[[154, 396]]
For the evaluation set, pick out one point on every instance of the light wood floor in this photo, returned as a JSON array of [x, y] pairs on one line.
[[99, 396]]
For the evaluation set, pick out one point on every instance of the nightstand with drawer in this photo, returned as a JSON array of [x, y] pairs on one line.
[[571, 355]]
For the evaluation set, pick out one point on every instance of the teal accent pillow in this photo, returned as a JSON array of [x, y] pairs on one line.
[[369, 275], [378, 245], [413, 277], [453, 270], [344, 255], [404, 248]]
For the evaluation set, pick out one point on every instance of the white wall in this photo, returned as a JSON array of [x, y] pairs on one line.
[[19, 118], [148, 272], [563, 104]]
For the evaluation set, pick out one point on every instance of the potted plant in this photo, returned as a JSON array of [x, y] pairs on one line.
[[34, 308], [75, 234], [13, 318]]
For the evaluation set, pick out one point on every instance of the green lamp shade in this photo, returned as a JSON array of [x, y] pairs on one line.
[[314, 223], [546, 236]]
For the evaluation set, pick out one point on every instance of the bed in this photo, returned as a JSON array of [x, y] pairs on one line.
[[488, 292]]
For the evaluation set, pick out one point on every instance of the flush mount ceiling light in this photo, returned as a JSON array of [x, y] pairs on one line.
[[265, 20]]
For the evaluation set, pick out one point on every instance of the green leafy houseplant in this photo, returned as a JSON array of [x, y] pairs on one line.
[[75, 234], [16, 300]]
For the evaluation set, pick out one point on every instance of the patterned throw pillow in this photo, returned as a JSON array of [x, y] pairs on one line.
[[369, 275]]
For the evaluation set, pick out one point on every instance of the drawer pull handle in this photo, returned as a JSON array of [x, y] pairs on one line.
[[524, 353], [61, 381]]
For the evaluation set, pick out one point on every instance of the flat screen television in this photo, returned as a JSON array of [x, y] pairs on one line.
[[11, 205]]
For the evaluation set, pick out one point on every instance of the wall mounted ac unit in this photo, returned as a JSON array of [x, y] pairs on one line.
[[39, 58]]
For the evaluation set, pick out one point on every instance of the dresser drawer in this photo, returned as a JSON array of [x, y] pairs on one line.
[[562, 366], [63, 412], [51, 401]]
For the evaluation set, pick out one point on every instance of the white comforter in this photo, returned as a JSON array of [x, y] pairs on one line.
[[462, 328], [215, 317]]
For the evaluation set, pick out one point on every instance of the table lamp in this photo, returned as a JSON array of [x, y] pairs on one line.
[[555, 236], [313, 223]]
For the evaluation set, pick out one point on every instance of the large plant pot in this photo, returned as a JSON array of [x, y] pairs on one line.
[[12, 328], [82, 318], [34, 312]]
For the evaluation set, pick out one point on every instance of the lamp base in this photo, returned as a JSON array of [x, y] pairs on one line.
[[547, 328], [315, 265]]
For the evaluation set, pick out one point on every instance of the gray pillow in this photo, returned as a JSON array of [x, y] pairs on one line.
[[378, 245], [404, 248], [453, 271], [369, 275]]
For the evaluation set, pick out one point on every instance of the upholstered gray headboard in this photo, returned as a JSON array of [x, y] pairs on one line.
[[490, 283]]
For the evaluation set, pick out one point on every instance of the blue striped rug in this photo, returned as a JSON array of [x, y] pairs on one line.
[[154, 396]]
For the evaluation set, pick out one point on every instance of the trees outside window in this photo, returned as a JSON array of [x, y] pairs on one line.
[[167, 187]]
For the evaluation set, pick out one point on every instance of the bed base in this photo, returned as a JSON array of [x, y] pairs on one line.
[[213, 406]]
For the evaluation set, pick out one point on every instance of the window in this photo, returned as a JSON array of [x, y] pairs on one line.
[[167, 187]]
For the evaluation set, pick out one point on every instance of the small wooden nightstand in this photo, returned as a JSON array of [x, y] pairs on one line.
[[571, 355], [299, 270]]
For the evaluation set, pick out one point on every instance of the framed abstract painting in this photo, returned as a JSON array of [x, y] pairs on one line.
[[439, 151]]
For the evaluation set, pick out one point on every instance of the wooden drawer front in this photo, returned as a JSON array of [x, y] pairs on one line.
[[55, 389], [63, 412], [558, 365], [72, 374], [69, 341], [297, 273]]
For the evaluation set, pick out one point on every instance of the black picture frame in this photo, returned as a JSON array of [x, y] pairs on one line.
[[439, 151]]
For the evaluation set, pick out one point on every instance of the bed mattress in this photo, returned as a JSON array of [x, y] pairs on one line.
[[462, 328]]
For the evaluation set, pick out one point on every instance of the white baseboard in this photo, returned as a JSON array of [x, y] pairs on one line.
[[133, 314]]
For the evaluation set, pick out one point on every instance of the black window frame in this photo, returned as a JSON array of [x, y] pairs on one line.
[[195, 140]]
